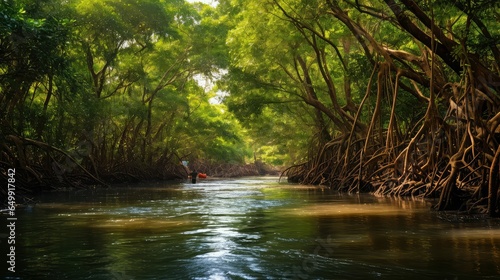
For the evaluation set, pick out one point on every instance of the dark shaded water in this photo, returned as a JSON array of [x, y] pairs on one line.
[[252, 228]]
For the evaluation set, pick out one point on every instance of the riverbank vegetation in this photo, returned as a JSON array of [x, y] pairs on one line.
[[403, 95], [395, 97], [94, 92]]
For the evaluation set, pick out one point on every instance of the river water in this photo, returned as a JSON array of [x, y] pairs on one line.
[[250, 228]]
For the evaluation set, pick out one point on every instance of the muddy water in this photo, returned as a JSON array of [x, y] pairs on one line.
[[252, 228]]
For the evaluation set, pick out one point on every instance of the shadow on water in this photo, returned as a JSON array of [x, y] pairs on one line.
[[250, 228]]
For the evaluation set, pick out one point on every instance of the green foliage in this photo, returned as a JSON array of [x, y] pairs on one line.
[[119, 74], [32, 52], [289, 71], [30, 47]]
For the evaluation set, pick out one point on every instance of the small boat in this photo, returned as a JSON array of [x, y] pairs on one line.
[[202, 175]]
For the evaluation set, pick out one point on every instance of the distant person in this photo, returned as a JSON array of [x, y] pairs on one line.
[[194, 175]]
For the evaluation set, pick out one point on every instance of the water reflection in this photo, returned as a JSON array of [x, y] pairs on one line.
[[249, 228]]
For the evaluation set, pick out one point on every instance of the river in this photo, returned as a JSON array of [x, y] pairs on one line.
[[249, 228]]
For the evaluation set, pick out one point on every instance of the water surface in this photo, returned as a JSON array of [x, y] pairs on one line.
[[251, 228]]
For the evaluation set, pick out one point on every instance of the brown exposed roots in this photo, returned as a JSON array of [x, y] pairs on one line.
[[453, 157], [330, 167], [42, 167]]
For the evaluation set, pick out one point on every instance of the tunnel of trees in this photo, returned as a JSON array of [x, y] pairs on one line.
[[394, 97]]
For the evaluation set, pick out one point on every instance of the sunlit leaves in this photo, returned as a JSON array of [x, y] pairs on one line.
[[128, 78]]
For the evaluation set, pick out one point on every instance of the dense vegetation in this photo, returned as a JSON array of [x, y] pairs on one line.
[[396, 97], [100, 91], [403, 94]]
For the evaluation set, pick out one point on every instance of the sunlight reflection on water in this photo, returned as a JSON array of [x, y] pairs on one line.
[[251, 228], [338, 209]]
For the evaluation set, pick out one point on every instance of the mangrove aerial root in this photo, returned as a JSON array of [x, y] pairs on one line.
[[454, 157]]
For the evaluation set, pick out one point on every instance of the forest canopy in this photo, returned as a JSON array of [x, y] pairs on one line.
[[113, 88], [401, 97], [395, 97]]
